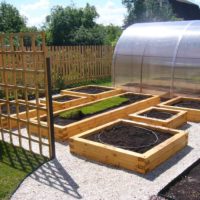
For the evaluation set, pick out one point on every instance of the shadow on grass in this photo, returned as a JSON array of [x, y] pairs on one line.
[[15, 165], [19, 158], [54, 175], [22, 163]]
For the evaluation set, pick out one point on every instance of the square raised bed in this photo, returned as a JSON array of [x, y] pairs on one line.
[[161, 117], [82, 118], [94, 92], [63, 101], [191, 105], [21, 116], [131, 145]]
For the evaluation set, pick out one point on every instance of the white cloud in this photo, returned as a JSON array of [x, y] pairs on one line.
[[37, 5], [35, 12], [195, 1], [111, 13]]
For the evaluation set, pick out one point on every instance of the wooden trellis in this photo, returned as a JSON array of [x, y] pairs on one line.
[[23, 79]]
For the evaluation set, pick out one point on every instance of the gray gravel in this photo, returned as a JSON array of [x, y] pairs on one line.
[[70, 177]]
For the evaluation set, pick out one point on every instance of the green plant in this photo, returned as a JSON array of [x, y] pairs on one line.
[[94, 108], [60, 82], [2, 94]]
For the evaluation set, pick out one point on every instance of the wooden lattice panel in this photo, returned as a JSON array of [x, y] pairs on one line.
[[23, 76]]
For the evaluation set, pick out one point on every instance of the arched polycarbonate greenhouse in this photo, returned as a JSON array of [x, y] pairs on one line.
[[163, 57]]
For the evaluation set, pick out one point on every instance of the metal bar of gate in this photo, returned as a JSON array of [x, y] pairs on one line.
[[50, 116]]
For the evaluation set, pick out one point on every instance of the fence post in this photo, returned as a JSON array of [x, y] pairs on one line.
[[51, 121]]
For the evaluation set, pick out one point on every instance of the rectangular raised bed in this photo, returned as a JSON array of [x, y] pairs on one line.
[[189, 180], [13, 118], [83, 145], [63, 101], [94, 92], [160, 117], [193, 114], [66, 131]]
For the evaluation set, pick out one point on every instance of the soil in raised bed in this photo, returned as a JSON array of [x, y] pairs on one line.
[[163, 99], [64, 98], [132, 98], [13, 109], [91, 90], [157, 114], [129, 137], [185, 187], [188, 104]]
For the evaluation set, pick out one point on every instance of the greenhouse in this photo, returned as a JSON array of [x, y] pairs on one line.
[[162, 57]]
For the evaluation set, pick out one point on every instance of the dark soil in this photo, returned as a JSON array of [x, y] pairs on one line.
[[132, 99], [91, 90], [188, 104], [64, 98], [157, 114], [187, 186], [13, 109], [163, 99], [130, 137]]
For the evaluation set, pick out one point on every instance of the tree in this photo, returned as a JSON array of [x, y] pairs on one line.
[[10, 19], [27, 38], [71, 26], [147, 11], [112, 34]]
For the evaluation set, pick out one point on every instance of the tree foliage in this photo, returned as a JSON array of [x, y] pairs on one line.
[[10, 19], [147, 11], [112, 34], [77, 26], [64, 26], [70, 26]]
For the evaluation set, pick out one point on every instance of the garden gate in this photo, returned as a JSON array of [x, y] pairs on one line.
[[24, 78]]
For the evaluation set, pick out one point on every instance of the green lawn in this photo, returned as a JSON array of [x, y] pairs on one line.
[[15, 164], [94, 108]]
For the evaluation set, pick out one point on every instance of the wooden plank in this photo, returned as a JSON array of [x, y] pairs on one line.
[[99, 119], [76, 63], [93, 97], [141, 163], [192, 114], [177, 119]]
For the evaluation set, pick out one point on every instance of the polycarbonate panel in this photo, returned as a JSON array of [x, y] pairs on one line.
[[165, 56], [186, 78], [156, 73], [127, 74]]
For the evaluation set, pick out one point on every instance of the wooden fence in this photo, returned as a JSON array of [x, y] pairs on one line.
[[72, 64]]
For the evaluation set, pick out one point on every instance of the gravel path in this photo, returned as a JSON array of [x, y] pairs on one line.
[[70, 177]]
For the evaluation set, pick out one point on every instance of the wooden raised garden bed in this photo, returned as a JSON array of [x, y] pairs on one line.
[[186, 186], [75, 120], [160, 117], [191, 105], [21, 116], [93, 92], [132, 145], [63, 101]]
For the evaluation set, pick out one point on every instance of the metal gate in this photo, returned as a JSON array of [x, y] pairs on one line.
[[24, 78]]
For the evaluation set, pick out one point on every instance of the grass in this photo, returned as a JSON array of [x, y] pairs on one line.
[[94, 108], [15, 164]]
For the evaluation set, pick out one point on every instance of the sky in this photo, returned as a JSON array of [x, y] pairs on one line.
[[110, 11]]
